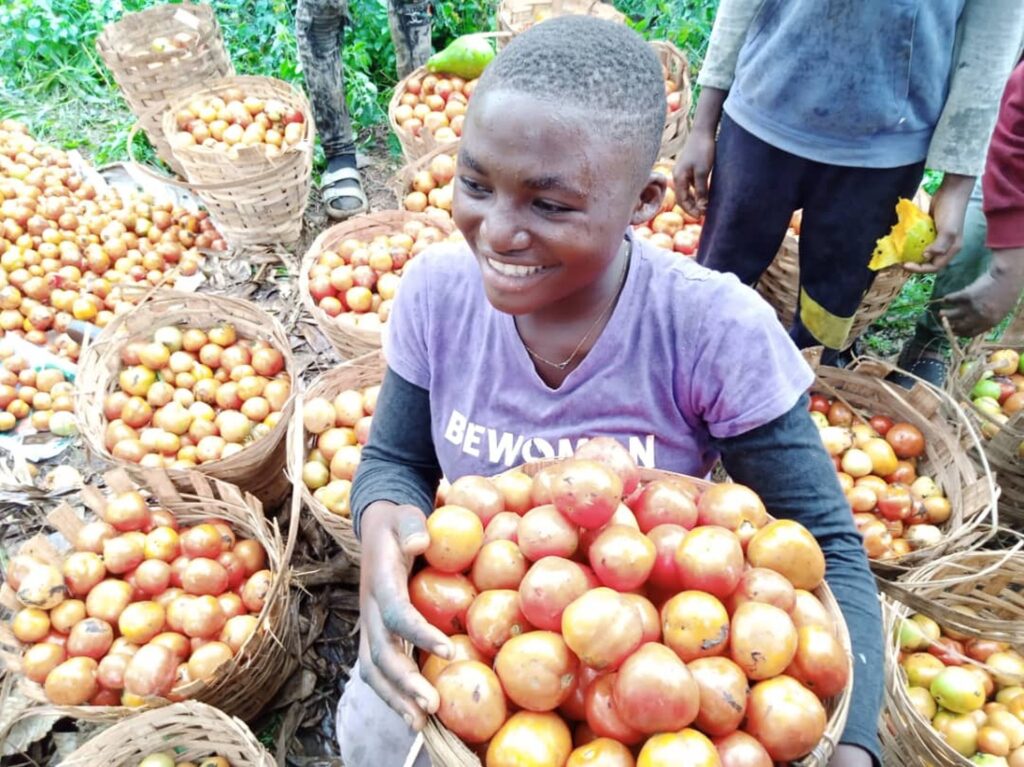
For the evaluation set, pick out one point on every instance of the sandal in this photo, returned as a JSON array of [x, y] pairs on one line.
[[332, 187]]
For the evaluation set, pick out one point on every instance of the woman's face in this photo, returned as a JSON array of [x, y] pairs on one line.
[[543, 199]]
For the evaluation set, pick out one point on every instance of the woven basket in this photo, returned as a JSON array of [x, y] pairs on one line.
[[259, 468], [1004, 441], [242, 686], [349, 340], [360, 373], [189, 730], [983, 581], [516, 16], [413, 147], [780, 284], [149, 80], [255, 200], [401, 183], [677, 124], [953, 457], [447, 749]]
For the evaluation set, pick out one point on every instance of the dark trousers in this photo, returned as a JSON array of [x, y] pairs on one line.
[[755, 188], [320, 32]]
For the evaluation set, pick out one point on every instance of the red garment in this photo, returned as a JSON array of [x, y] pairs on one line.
[[1003, 182]]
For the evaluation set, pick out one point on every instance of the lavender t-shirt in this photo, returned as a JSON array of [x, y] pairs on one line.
[[687, 353]]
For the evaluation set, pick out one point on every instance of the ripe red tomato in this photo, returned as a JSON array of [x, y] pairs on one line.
[[540, 493], [495, 617], [819, 404], [895, 502], [906, 439], [456, 535], [763, 641], [905, 474], [723, 694], [950, 651], [537, 670], [432, 665], [622, 557], [610, 453], [787, 547], [650, 619], [759, 584], [548, 587], [695, 625], [574, 707], [710, 559], [786, 717], [478, 494], [601, 752], [654, 691], [442, 598], [544, 532], [472, 701], [880, 424], [671, 749], [587, 493], [820, 663], [665, 502], [731, 506], [503, 526], [666, 539], [603, 715], [602, 627], [741, 750], [499, 565]]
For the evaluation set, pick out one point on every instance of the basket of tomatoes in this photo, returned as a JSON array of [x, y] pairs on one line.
[[954, 661], [350, 274], [428, 110], [599, 610], [676, 70], [326, 443], [187, 734], [910, 463], [425, 184], [166, 594], [191, 382], [989, 382]]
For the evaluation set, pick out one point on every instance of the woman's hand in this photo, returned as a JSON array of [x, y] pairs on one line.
[[392, 537], [983, 304], [693, 169], [949, 206]]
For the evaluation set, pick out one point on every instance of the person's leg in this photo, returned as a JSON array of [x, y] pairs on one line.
[[370, 733], [846, 210], [754, 191], [971, 262], [410, 33], [319, 31]]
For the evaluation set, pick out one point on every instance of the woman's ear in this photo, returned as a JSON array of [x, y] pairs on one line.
[[649, 202]]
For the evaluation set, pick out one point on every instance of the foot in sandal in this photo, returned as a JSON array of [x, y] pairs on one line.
[[341, 188]]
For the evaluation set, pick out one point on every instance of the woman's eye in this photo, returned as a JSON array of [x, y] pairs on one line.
[[472, 186], [547, 206]]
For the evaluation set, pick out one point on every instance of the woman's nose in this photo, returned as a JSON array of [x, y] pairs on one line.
[[502, 232]]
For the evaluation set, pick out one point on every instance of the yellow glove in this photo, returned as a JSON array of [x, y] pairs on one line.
[[906, 242]]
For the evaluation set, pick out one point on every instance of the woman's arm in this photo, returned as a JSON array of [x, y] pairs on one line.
[[785, 463], [399, 463]]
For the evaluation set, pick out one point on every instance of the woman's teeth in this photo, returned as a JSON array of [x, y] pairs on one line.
[[512, 270]]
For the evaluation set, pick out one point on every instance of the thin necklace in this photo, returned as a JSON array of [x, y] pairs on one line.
[[568, 361]]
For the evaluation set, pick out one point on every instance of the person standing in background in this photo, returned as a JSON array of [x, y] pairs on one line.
[[836, 108], [320, 33]]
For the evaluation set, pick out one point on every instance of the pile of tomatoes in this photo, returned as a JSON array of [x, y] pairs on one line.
[[435, 104], [897, 510], [341, 427], [44, 395], [672, 228], [356, 280], [589, 610], [166, 759], [67, 251], [430, 188], [140, 607], [968, 688], [191, 395], [999, 393], [223, 123]]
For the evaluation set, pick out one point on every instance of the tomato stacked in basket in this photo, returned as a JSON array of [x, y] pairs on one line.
[[141, 606], [897, 507], [643, 623]]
